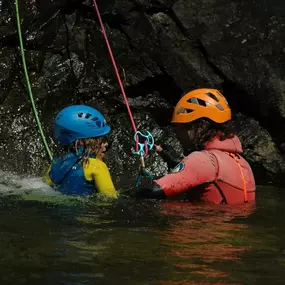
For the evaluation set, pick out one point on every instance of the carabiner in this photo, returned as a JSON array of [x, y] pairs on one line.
[[143, 148]]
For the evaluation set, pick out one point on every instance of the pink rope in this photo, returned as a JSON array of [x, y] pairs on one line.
[[115, 66]]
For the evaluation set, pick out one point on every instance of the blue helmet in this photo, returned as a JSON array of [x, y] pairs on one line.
[[79, 122]]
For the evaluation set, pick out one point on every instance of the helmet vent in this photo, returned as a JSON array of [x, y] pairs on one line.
[[202, 102], [182, 110], [220, 107], [98, 123], [87, 116], [211, 95], [199, 102]]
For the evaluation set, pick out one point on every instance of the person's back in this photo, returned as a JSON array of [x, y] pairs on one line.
[[215, 172], [235, 179]]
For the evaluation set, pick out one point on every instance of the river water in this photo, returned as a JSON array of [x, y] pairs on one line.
[[46, 238]]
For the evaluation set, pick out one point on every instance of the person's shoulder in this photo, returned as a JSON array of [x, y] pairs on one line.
[[196, 155], [96, 163], [199, 157]]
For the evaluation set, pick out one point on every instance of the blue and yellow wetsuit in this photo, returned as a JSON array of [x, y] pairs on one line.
[[69, 175]]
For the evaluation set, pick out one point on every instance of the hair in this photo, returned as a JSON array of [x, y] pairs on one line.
[[91, 146], [206, 130]]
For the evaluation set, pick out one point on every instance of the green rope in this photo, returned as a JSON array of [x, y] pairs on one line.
[[28, 82]]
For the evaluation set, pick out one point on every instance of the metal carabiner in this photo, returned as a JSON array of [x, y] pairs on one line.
[[147, 145]]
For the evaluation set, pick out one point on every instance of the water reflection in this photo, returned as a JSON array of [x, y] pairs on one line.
[[57, 240], [199, 236]]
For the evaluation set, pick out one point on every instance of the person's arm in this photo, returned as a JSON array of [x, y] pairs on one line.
[[171, 159], [150, 190], [196, 169], [98, 171]]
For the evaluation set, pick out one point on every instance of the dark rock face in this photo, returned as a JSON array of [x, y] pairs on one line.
[[260, 150], [162, 48]]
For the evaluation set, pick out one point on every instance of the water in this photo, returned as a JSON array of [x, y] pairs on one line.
[[46, 238]]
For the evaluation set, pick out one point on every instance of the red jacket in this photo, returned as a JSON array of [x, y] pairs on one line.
[[218, 174]]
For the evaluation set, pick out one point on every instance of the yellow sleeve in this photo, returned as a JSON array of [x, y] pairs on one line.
[[46, 178], [96, 170]]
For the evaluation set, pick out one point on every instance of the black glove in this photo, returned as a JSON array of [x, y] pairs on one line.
[[154, 191]]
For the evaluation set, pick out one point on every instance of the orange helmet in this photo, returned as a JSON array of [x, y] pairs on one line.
[[202, 103]]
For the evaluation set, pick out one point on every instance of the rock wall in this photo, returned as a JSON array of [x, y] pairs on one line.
[[163, 48]]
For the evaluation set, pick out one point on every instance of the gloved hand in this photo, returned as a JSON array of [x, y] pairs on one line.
[[146, 173], [158, 148], [152, 191]]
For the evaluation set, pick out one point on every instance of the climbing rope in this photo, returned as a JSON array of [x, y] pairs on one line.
[[115, 65], [142, 148], [28, 82]]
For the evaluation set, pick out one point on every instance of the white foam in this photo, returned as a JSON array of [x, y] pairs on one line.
[[13, 184]]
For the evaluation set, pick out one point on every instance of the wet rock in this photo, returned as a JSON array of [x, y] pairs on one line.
[[260, 150], [35, 60], [242, 41], [7, 27], [162, 48], [21, 148], [159, 36], [7, 67]]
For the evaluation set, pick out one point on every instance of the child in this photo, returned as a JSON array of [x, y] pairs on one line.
[[81, 171]]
